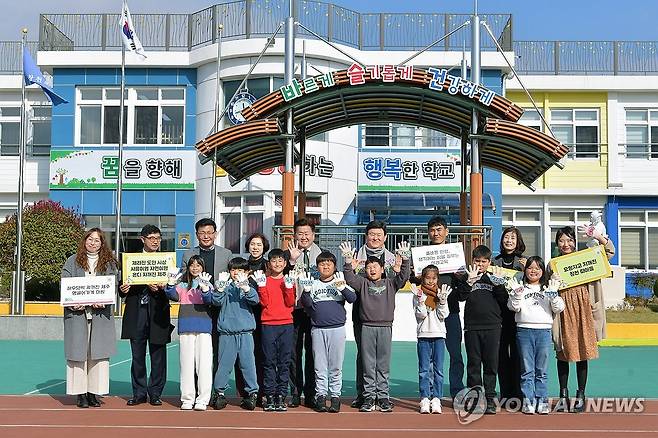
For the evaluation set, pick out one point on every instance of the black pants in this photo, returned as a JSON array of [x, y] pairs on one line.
[[509, 366], [359, 364], [482, 359], [214, 336], [302, 370], [276, 341], [158, 376]]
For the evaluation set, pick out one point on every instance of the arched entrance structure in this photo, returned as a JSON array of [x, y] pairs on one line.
[[430, 98]]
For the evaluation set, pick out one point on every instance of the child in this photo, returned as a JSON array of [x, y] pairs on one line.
[[484, 295], [431, 307], [324, 301], [235, 325], [377, 304], [277, 299], [194, 328], [535, 302]]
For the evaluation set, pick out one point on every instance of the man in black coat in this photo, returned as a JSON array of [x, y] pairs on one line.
[[146, 319]]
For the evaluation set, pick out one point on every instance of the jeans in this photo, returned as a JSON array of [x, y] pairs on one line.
[[430, 361], [454, 347], [534, 346]]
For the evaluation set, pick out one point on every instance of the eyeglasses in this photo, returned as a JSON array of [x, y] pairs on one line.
[[153, 238], [204, 233]]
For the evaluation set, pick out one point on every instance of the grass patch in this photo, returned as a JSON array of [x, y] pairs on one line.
[[639, 314]]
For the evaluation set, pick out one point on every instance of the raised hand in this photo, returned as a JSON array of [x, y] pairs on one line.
[[173, 275], [497, 276], [260, 278], [417, 291], [306, 282], [339, 281], [294, 251], [515, 287], [204, 281], [242, 281], [442, 296], [347, 251], [404, 250], [550, 290], [472, 274], [289, 280], [222, 281]]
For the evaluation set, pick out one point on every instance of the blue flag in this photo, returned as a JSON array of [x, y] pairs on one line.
[[33, 75]]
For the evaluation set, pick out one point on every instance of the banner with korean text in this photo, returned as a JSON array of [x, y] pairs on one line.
[[582, 267], [84, 291], [147, 267], [448, 257]]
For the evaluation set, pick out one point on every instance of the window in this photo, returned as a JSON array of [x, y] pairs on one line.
[[240, 216], [578, 129], [314, 210], [257, 87], [531, 119], [529, 223], [398, 135], [638, 239], [152, 116], [38, 130], [571, 218], [641, 133], [39, 137], [131, 226]]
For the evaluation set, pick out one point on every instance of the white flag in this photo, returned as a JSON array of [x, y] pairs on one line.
[[128, 35]]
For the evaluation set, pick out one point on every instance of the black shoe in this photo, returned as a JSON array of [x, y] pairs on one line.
[[213, 397], [136, 401], [385, 405], [295, 401], [269, 403], [82, 401], [309, 401], [335, 405], [357, 402], [320, 404], [221, 402], [280, 403], [93, 401], [563, 402], [579, 403], [155, 401], [491, 408], [249, 402], [368, 405]]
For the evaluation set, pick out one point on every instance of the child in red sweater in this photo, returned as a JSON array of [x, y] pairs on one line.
[[277, 299]]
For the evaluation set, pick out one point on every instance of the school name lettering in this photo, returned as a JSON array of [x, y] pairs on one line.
[[580, 268]]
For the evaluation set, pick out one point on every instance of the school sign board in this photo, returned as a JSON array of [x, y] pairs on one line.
[[448, 257], [85, 291], [142, 170], [147, 267], [582, 267]]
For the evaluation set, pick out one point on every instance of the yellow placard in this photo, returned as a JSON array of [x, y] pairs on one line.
[[582, 267], [508, 273], [147, 267]]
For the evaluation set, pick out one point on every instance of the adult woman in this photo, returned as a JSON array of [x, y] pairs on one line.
[[582, 324], [257, 245], [509, 365], [89, 334]]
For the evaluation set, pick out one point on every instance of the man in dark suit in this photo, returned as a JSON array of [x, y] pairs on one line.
[[216, 259], [146, 319]]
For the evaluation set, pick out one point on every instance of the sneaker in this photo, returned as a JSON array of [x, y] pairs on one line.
[[385, 405], [186, 406], [425, 406], [435, 405], [280, 403], [368, 405], [357, 402], [221, 402], [543, 408], [528, 408], [491, 408], [320, 404], [249, 402], [200, 407], [335, 405], [269, 403], [295, 401]]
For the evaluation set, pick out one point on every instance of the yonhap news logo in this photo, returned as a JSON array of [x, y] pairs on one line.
[[470, 405]]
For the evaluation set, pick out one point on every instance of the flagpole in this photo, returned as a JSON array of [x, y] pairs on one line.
[[218, 125], [18, 300], [117, 237]]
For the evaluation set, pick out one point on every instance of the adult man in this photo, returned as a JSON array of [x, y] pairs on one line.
[[216, 259], [302, 377], [146, 319], [374, 246], [437, 231]]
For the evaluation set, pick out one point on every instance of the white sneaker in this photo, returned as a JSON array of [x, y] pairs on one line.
[[543, 408], [425, 406], [199, 407], [528, 408], [186, 406], [435, 405]]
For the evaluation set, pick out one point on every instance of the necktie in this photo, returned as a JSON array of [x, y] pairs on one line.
[[306, 262]]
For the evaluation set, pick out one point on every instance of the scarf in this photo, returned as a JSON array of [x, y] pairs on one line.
[[431, 301], [379, 252]]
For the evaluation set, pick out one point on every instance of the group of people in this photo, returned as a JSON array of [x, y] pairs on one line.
[[278, 322]]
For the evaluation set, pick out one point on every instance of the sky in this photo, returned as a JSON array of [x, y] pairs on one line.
[[591, 20]]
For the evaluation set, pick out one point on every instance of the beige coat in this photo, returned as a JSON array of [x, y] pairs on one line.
[[598, 306]]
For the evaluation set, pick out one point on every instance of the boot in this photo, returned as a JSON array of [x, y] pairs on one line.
[[82, 401], [579, 403], [563, 402], [92, 400]]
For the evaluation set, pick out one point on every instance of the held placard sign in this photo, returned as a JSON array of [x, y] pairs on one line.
[[147, 267], [82, 291], [582, 267], [448, 257]]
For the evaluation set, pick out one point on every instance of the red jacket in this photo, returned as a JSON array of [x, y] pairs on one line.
[[277, 302]]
